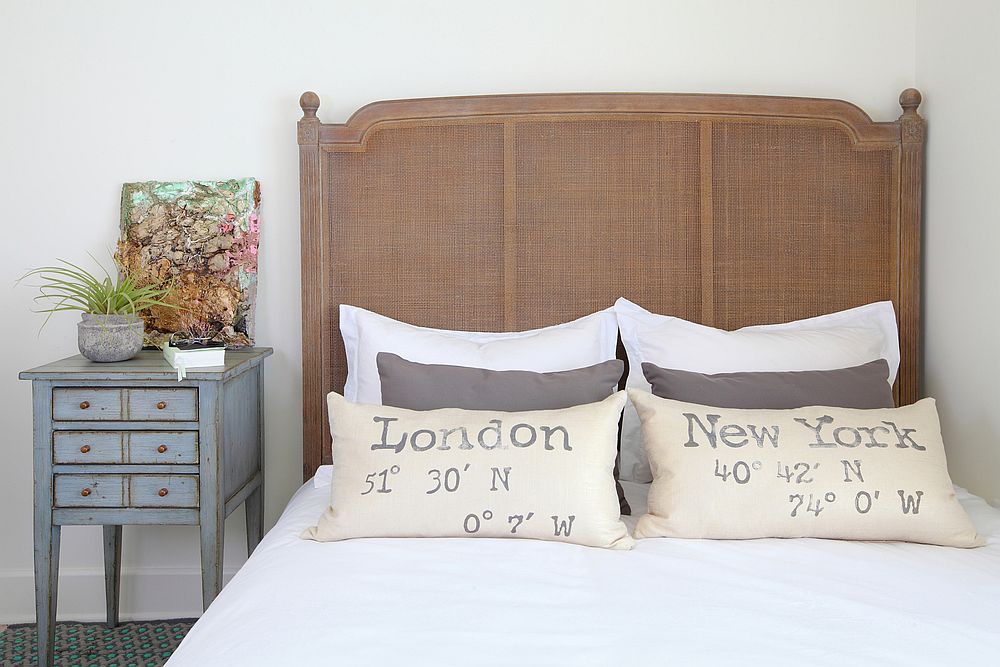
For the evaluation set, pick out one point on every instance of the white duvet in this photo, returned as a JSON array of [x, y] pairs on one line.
[[473, 602]]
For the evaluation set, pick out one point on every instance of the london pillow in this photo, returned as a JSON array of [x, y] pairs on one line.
[[543, 474], [863, 386], [806, 472], [407, 384]]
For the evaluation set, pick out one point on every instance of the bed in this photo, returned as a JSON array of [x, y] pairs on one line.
[[525, 602], [503, 213]]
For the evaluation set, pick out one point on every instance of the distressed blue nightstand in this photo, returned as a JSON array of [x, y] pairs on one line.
[[125, 443]]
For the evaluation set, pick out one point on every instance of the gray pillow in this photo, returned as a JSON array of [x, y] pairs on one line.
[[407, 384], [864, 387]]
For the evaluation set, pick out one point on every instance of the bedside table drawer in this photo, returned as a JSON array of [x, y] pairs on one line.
[[179, 405], [163, 490], [89, 490], [87, 447], [86, 404], [163, 447]]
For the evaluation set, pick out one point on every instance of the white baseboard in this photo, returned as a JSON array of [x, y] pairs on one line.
[[147, 594]]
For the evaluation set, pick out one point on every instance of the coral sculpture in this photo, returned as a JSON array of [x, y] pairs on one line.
[[202, 236]]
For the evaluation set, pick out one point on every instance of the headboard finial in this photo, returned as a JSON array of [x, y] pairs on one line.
[[309, 103], [910, 99]]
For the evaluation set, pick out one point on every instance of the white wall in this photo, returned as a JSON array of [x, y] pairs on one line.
[[98, 93], [957, 64]]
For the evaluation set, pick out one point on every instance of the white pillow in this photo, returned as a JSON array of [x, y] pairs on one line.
[[828, 342], [584, 342], [323, 476]]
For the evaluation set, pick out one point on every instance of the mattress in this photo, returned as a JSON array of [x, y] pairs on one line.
[[480, 602]]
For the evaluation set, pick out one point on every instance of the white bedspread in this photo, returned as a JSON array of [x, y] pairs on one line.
[[473, 602]]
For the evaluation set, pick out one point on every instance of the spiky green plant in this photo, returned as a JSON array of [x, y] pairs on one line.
[[67, 286]]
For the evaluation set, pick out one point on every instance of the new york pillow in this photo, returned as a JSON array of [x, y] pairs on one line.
[[838, 473]]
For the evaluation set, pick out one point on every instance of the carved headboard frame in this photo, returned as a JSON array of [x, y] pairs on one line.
[[516, 211]]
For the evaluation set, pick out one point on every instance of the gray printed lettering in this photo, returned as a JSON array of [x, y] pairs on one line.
[[710, 433], [873, 440], [445, 432], [764, 433], [855, 437], [498, 441], [730, 431], [431, 440], [525, 443], [904, 437], [547, 431], [854, 469], [817, 430], [385, 444], [501, 476]]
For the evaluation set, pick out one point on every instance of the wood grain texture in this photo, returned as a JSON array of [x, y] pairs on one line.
[[518, 211], [311, 241], [240, 435], [95, 426], [112, 572], [148, 365], [751, 107], [93, 490], [159, 447], [125, 469], [911, 178], [131, 447], [126, 516], [87, 404], [161, 404], [88, 447], [255, 501], [162, 491], [212, 509], [707, 226], [46, 532]]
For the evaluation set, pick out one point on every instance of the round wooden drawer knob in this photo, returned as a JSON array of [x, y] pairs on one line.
[[85, 493], [85, 449], [84, 405], [161, 405], [163, 492], [161, 449]]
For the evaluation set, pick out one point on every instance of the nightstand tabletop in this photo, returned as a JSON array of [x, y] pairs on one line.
[[149, 365]]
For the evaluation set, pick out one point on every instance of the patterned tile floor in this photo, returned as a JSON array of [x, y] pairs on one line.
[[147, 644]]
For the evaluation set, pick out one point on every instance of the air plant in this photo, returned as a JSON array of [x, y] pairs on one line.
[[66, 286]]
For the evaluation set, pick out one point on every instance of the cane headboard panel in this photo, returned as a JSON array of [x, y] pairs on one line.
[[511, 212]]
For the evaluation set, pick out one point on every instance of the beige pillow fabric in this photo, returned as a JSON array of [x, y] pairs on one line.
[[543, 474], [806, 472]]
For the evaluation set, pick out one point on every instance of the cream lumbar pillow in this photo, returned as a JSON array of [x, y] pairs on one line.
[[543, 474], [807, 472]]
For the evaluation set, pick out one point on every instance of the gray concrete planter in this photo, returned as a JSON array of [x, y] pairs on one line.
[[110, 337]]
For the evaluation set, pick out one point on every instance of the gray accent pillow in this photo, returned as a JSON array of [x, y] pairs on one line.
[[863, 387], [408, 384]]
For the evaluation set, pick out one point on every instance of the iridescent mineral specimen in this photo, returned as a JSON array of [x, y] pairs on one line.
[[202, 236]]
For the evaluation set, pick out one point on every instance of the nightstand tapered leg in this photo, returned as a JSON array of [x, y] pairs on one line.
[[112, 571], [255, 518], [212, 506], [46, 585], [212, 534]]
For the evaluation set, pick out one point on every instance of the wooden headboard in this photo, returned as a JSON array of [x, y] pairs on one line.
[[509, 212]]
